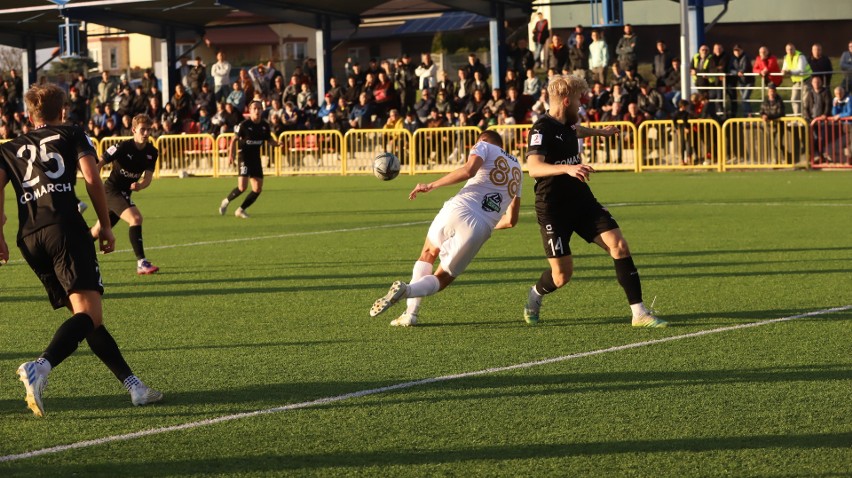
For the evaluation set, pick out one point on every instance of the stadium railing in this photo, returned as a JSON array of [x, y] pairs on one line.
[[187, 153], [831, 143], [361, 146], [663, 145], [751, 143], [613, 153], [310, 152], [441, 149]]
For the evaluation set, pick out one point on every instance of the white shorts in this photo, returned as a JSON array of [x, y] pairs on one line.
[[459, 234]]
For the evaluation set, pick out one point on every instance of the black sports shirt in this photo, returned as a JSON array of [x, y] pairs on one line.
[[251, 137], [42, 166], [557, 142], [129, 162]]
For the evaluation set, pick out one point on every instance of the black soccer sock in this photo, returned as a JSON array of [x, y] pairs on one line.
[[545, 284], [136, 241], [236, 192], [67, 337], [105, 348], [250, 199], [628, 277]]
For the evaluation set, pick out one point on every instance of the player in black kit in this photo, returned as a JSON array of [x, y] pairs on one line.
[[133, 163], [251, 134], [564, 203], [54, 239]]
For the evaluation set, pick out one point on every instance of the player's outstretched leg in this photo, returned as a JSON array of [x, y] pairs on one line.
[[544, 286], [411, 315], [397, 291], [628, 278], [106, 349], [223, 206]]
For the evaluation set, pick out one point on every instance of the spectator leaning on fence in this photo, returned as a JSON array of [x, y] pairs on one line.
[[797, 67], [765, 65], [820, 63], [846, 68], [740, 68], [817, 107]]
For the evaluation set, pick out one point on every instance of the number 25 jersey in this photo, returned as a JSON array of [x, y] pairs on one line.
[[42, 166]]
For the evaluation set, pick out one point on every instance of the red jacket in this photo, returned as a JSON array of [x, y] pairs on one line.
[[771, 66]]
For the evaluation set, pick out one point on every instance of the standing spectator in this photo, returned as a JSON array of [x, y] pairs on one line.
[[446, 84], [463, 90], [197, 76], [817, 107], [522, 57], [702, 62], [740, 67], [405, 81], [626, 49], [384, 96], [532, 85], [765, 65], [598, 57], [260, 79], [183, 71], [291, 91], [247, 86], [578, 55], [139, 103], [181, 101], [578, 32], [106, 89], [76, 107], [797, 67], [820, 63], [221, 72], [427, 72], [684, 129], [846, 68], [84, 90], [720, 63], [662, 63], [557, 54], [672, 84], [541, 32], [474, 65]]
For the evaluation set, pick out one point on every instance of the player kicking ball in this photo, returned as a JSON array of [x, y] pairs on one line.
[[491, 199], [564, 203], [133, 169], [54, 239]]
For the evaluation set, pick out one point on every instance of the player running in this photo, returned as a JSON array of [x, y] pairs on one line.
[[564, 203], [133, 169], [251, 134], [489, 200], [54, 239]]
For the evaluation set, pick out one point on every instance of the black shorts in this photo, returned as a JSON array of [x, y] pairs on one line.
[[64, 259], [588, 220], [251, 168], [118, 201]]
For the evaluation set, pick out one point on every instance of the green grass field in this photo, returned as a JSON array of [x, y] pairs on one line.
[[252, 315]]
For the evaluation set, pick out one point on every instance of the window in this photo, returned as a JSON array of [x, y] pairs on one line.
[[295, 50], [113, 58]]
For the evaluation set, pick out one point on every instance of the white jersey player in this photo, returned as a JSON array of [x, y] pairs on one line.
[[489, 200]]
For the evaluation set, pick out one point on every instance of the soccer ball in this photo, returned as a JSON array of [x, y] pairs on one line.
[[386, 166]]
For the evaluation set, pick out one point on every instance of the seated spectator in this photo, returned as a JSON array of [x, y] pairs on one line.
[[532, 85], [342, 111], [181, 101], [394, 120], [475, 106], [443, 103], [327, 109], [237, 97], [290, 117], [486, 119], [335, 123], [334, 89], [110, 129], [613, 113], [480, 84], [361, 115], [410, 122], [169, 119], [650, 102], [276, 127], [351, 92], [540, 107], [383, 94], [204, 124], [304, 95], [514, 105], [598, 101], [618, 75], [156, 129], [275, 108], [277, 91], [291, 91], [435, 120], [232, 117], [205, 100], [310, 118], [512, 80], [126, 126], [496, 102], [772, 107], [424, 105], [139, 104], [76, 107], [630, 83]]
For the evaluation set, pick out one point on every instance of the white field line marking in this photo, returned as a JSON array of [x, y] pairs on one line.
[[399, 386]]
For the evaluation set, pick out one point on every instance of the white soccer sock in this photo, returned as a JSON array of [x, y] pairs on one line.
[[638, 309], [424, 286], [421, 269]]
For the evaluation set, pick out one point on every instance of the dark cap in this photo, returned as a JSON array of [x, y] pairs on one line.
[[771, 86]]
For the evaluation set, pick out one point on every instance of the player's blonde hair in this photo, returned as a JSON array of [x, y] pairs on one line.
[[566, 86], [141, 120], [45, 102]]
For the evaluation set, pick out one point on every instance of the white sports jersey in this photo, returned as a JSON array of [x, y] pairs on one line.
[[488, 193]]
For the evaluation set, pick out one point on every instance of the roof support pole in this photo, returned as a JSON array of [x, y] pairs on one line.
[[685, 56], [28, 62], [323, 54], [497, 28], [170, 76], [696, 18]]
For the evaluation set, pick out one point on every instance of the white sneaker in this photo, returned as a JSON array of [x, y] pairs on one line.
[[223, 206], [405, 320], [35, 380], [240, 213], [81, 207], [648, 321], [398, 290], [142, 395]]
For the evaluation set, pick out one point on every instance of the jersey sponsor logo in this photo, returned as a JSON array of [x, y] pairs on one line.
[[112, 149], [491, 202], [129, 175], [576, 159], [535, 140], [254, 142], [46, 189]]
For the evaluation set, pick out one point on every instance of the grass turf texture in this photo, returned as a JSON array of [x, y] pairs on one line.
[[230, 327]]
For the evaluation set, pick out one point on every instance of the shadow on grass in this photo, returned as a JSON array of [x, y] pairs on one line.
[[410, 455]]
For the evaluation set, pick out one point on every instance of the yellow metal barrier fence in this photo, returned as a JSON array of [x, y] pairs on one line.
[[270, 156], [361, 146], [310, 152], [613, 153], [665, 144], [192, 154], [442, 149], [753, 143]]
